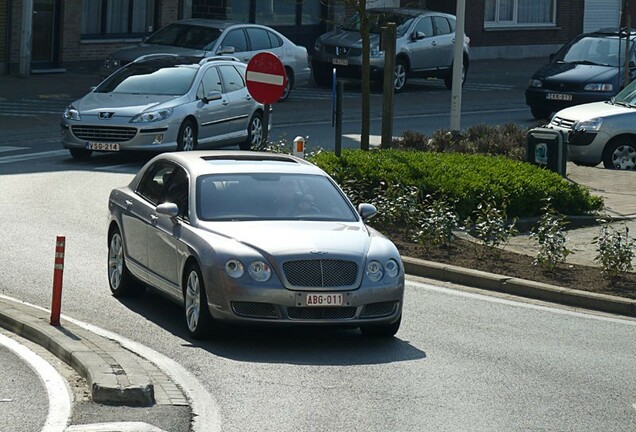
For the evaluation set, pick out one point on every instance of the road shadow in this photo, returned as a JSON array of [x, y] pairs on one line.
[[299, 345]]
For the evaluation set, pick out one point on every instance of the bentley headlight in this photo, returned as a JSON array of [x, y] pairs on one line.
[[375, 271], [234, 268], [599, 87], [152, 116], [591, 125], [71, 113], [260, 271], [392, 268], [536, 83]]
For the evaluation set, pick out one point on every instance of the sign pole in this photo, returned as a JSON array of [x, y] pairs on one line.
[[265, 125]]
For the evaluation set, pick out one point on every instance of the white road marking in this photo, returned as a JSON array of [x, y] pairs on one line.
[[486, 297], [114, 427], [30, 156], [264, 78], [10, 148], [205, 410], [58, 393]]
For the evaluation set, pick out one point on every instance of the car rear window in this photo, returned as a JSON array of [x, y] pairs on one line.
[[185, 36]]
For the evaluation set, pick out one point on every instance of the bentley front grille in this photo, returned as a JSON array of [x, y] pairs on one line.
[[321, 273], [106, 134]]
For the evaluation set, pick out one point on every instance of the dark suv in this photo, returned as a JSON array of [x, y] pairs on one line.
[[589, 68], [424, 47]]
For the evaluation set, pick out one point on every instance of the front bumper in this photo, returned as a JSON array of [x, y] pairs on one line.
[[537, 98], [585, 147], [324, 63]]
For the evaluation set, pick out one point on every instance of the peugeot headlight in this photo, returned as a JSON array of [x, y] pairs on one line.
[[260, 271], [152, 116], [71, 113], [375, 271], [599, 87], [234, 268], [392, 268], [591, 125], [537, 83]]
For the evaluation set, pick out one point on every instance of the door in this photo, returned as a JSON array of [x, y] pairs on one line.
[[46, 34], [213, 114], [240, 101]]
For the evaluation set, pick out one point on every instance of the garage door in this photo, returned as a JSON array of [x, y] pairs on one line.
[[601, 13]]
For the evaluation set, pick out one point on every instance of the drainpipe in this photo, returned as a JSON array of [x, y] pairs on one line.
[[26, 39]]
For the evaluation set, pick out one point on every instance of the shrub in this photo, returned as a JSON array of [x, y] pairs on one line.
[[615, 250], [490, 223], [550, 235], [461, 178], [437, 223]]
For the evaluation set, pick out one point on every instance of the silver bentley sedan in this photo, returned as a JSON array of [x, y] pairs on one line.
[[252, 237]]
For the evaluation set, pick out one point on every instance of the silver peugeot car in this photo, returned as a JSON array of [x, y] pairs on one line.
[[165, 103], [424, 47], [205, 38], [252, 237]]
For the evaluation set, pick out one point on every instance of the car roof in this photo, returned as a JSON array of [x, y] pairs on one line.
[[612, 31], [202, 162], [166, 59], [204, 22], [406, 11]]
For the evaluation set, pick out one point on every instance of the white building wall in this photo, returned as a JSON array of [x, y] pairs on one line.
[[601, 13]]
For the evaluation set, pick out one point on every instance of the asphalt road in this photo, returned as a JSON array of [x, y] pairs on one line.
[[461, 361]]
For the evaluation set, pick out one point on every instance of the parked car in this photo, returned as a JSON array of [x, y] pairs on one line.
[[602, 131], [424, 47], [589, 68], [165, 102], [252, 237], [205, 38]]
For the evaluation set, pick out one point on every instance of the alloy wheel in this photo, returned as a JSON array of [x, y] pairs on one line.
[[256, 132], [193, 301], [188, 138], [399, 78], [115, 261]]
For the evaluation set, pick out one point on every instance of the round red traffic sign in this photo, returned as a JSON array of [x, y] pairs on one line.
[[266, 78]]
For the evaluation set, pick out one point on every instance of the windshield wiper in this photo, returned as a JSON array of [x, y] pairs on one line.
[[588, 62], [621, 103]]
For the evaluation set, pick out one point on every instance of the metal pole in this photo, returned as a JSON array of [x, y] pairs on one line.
[[339, 91], [26, 39], [388, 42], [458, 60], [266, 108], [628, 24]]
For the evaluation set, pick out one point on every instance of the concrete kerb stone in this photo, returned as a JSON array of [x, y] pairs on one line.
[[113, 373], [520, 287]]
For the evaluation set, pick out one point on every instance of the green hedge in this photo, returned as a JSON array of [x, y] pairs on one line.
[[464, 177]]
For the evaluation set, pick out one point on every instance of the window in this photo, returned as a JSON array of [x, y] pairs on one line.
[[211, 82], [152, 185], [259, 39], [236, 39], [117, 17], [232, 79], [441, 26], [507, 13], [425, 25]]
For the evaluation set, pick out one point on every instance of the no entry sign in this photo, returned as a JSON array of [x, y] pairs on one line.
[[266, 78]]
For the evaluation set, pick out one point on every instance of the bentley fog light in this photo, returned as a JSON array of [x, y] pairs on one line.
[[234, 268], [375, 271], [260, 271]]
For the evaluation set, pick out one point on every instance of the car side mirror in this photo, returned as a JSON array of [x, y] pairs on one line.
[[168, 209], [418, 35], [212, 96], [367, 211], [227, 50]]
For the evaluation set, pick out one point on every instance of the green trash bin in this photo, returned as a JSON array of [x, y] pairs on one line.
[[547, 148]]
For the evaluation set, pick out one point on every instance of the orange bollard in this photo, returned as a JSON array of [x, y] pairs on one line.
[[58, 273]]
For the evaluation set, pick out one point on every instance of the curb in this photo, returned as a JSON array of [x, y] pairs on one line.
[[519, 287], [114, 375]]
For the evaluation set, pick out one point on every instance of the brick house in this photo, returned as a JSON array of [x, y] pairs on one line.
[[78, 34]]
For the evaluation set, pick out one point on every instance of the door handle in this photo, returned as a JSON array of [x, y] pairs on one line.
[[248, 97], [434, 43], [225, 102], [129, 204], [154, 219]]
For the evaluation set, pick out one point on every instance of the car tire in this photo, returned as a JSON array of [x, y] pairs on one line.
[[620, 154], [187, 138], [381, 331], [254, 133], [448, 79], [195, 302], [80, 153], [121, 282], [322, 78], [289, 86], [400, 74], [540, 114]]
